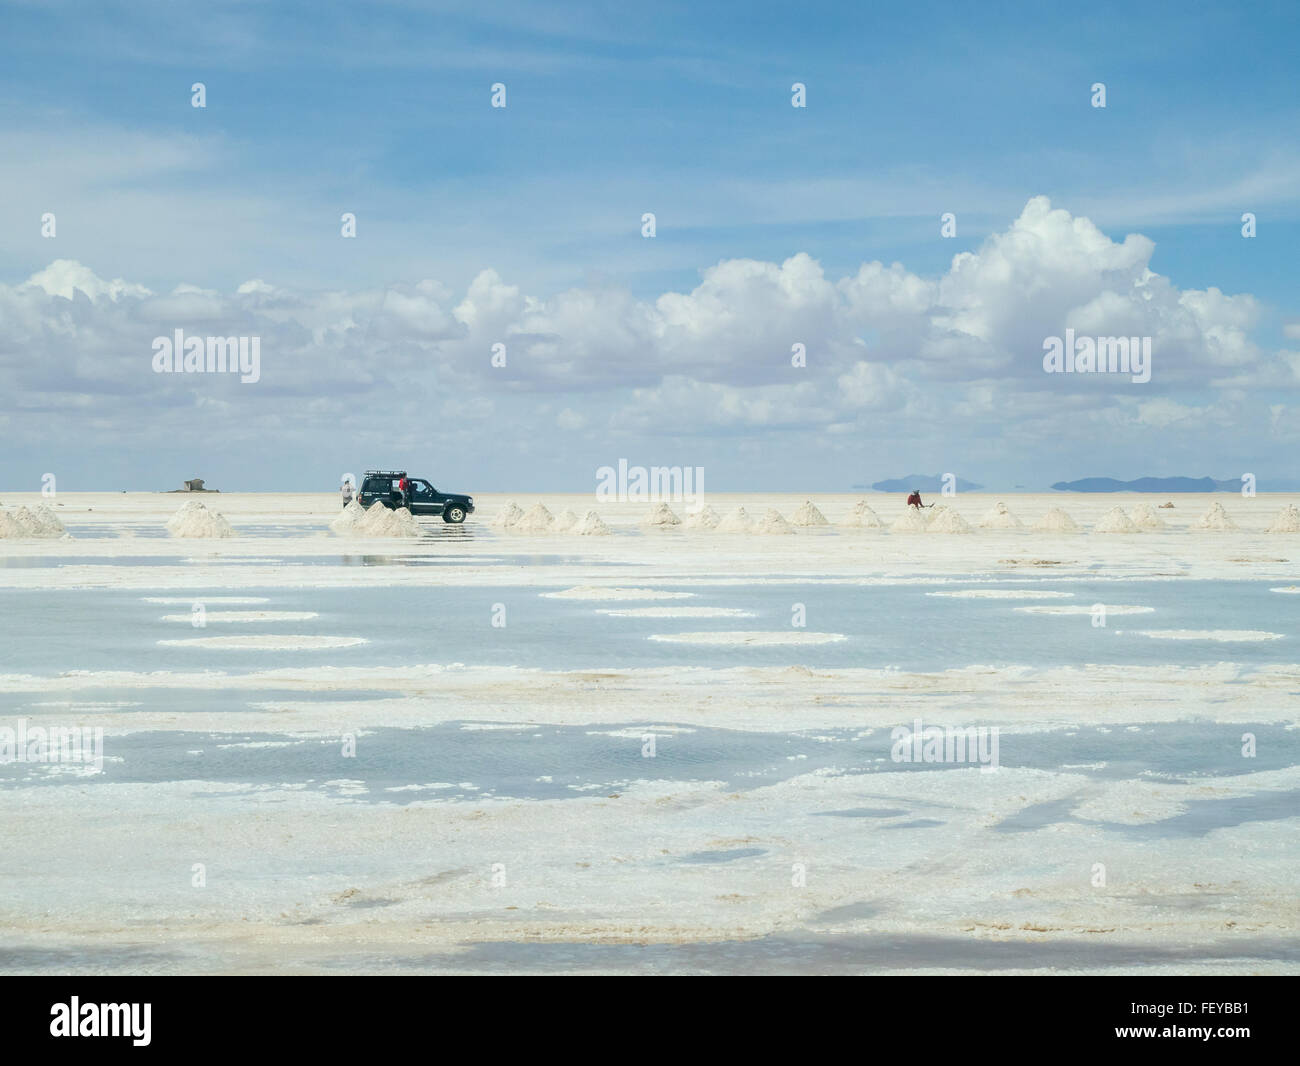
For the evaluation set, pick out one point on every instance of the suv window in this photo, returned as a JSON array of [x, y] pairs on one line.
[[380, 485]]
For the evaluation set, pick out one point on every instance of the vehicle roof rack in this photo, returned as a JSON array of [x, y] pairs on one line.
[[386, 473]]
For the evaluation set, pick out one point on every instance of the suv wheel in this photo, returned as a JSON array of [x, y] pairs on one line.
[[455, 514]]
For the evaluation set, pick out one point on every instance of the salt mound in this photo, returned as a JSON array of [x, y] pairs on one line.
[[705, 518], [20, 523], [863, 517], [1215, 518], [661, 517], [910, 521], [1287, 520], [999, 517], [736, 522], [590, 525], [950, 522], [27, 522], [404, 523], [24, 523], [536, 520], [1116, 521], [1144, 517], [808, 515], [507, 516], [379, 521], [565, 521], [348, 518], [195, 520], [188, 507], [1056, 521], [372, 522], [774, 522], [49, 522]]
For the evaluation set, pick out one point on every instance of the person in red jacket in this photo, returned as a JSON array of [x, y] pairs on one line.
[[914, 500], [404, 487]]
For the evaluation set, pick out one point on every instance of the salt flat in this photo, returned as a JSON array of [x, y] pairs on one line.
[[499, 811]]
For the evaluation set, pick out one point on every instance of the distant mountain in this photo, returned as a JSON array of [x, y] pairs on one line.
[[1149, 484], [923, 483]]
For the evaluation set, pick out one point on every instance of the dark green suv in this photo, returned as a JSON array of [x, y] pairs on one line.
[[384, 487]]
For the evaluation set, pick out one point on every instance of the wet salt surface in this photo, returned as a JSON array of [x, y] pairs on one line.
[[158, 530], [190, 553], [457, 762], [84, 702], [838, 953], [38, 562], [431, 529], [46, 633], [459, 560], [1201, 816], [111, 532], [812, 952]]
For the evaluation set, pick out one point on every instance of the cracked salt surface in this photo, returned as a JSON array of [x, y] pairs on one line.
[[682, 861], [265, 642], [884, 626], [503, 762]]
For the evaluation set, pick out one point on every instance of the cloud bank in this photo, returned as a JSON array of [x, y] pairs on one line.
[[891, 356]]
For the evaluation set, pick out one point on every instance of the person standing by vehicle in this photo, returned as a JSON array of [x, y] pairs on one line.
[[404, 487], [347, 491]]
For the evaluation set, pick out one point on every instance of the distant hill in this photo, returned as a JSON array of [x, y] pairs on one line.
[[923, 483], [1149, 484]]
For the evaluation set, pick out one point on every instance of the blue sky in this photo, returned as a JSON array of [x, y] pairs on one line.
[[614, 110]]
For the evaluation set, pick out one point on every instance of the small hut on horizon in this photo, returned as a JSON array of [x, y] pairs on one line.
[[194, 484]]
